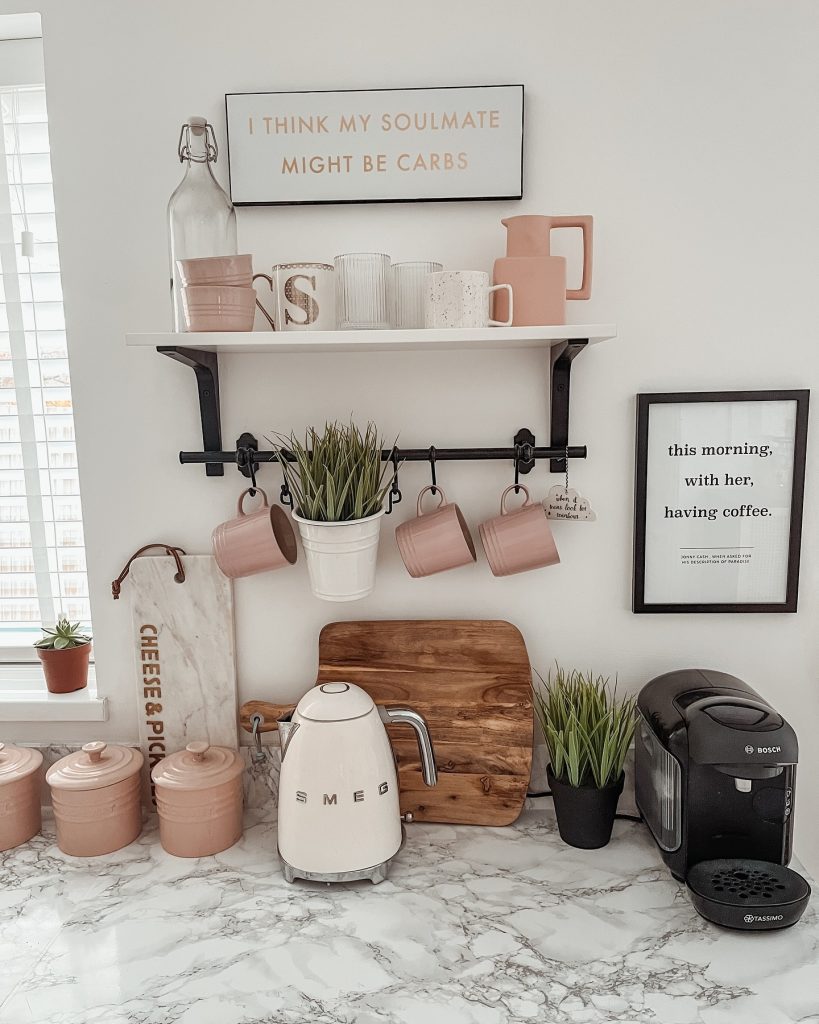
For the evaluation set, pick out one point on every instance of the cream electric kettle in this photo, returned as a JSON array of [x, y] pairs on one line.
[[339, 818]]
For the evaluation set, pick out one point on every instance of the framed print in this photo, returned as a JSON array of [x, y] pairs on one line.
[[375, 145], [720, 478]]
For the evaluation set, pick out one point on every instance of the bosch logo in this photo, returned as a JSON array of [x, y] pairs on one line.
[[748, 750], [761, 918]]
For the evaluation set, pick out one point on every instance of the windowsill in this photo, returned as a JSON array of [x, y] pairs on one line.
[[24, 698]]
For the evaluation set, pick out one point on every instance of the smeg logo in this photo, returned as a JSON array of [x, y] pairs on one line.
[[331, 799]]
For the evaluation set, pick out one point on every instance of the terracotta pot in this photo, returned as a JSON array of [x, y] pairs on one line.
[[199, 799], [97, 800], [65, 671], [20, 817]]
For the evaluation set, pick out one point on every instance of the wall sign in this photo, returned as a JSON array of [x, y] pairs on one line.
[[375, 145], [718, 501]]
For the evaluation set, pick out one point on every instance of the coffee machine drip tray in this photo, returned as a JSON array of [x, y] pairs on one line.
[[752, 895]]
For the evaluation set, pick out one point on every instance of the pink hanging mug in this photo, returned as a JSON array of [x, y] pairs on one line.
[[519, 540], [436, 540], [254, 542]]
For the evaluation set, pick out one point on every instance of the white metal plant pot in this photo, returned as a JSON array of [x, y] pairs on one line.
[[341, 557]]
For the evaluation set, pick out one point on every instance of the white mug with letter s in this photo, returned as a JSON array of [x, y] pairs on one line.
[[460, 298], [304, 297]]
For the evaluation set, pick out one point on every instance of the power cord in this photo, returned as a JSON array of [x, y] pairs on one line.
[[618, 816]]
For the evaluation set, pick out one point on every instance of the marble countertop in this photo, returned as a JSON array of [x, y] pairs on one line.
[[474, 926]]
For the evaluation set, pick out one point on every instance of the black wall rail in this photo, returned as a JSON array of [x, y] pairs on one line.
[[524, 451]]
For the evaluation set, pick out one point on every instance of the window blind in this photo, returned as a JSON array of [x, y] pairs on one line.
[[42, 549]]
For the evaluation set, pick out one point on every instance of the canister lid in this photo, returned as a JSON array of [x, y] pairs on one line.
[[17, 762], [95, 766], [198, 766], [335, 702]]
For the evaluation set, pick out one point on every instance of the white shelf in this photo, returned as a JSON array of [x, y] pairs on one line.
[[379, 341]]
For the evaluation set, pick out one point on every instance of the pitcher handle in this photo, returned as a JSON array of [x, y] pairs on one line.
[[585, 225]]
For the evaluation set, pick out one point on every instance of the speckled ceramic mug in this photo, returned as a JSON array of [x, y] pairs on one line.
[[460, 298]]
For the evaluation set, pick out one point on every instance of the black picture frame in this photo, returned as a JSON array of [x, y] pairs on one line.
[[366, 202], [644, 403]]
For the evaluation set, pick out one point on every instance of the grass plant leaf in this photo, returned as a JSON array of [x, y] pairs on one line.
[[337, 474], [587, 728]]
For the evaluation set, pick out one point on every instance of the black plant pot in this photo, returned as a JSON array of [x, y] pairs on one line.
[[585, 815]]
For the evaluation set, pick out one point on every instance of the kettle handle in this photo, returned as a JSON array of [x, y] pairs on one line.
[[407, 716]]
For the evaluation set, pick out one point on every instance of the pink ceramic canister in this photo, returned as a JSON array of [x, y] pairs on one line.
[[518, 540], [254, 542], [435, 540], [20, 815], [97, 801], [199, 799]]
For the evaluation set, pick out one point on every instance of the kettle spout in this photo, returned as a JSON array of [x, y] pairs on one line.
[[287, 730], [425, 748]]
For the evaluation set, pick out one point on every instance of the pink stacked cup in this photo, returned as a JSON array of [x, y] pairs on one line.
[[218, 293]]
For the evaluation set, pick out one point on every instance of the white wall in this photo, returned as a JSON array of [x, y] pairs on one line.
[[687, 128]]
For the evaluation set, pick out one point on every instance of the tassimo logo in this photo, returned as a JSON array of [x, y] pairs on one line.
[[761, 918]]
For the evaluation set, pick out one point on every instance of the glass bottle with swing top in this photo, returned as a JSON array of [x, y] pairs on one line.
[[201, 218]]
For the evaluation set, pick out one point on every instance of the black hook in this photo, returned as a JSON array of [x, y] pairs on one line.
[[246, 448], [244, 460], [395, 494], [285, 494], [517, 468], [434, 489]]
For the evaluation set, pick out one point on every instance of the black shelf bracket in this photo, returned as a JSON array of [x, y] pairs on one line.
[[206, 367], [562, 357]]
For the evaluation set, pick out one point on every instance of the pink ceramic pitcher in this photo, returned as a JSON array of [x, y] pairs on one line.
[[538, 279]]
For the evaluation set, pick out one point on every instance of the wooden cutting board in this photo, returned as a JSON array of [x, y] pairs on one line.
[[471, 680]]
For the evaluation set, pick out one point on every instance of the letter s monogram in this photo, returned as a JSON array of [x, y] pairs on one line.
[[296, 297]]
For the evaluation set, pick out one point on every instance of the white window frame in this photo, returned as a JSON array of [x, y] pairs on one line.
[[23, 695]]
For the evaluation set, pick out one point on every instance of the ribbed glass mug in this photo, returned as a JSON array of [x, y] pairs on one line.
[[409, 292], [362, 291]]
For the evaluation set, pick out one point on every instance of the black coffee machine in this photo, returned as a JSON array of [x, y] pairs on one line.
[[715, 778]]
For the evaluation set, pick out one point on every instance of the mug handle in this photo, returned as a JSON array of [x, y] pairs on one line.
[[502, 323], [511, 487], [429, 487], [585, 225], [239, 510], [265, 314]]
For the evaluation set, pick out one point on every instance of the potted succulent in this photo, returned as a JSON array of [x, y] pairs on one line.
[[588, 732], [338, 481], [64, 652]]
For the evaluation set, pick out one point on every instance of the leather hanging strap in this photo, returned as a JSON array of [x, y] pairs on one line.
[[179, 575]]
